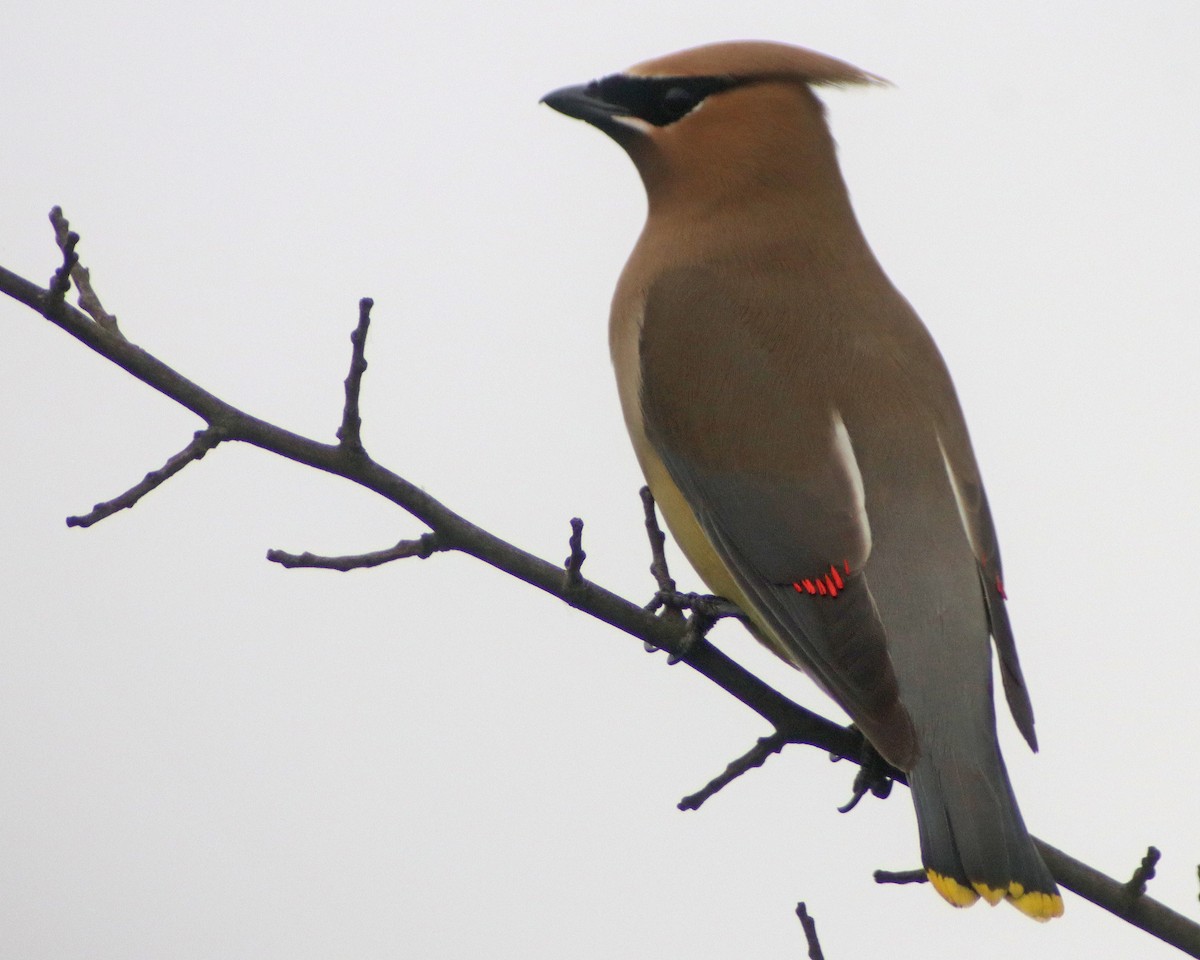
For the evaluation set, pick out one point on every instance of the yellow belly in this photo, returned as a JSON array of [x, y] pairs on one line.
[[688, 534], [694, 543]]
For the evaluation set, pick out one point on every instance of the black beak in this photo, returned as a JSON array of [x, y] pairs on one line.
[[583, 102]]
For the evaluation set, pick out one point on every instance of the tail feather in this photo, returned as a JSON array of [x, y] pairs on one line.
[[973, 840]]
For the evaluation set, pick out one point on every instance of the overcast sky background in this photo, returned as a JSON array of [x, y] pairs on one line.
[[205, 756]]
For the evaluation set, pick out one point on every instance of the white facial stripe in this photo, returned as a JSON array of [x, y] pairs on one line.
[[635, 123], [843, 451]]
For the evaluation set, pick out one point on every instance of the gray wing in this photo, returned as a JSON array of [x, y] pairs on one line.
[[977, 521], [757, 452]]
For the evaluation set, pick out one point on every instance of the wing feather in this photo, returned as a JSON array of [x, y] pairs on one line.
[[770, 475]]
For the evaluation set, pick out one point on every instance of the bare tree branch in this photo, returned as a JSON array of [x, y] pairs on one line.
[[424, 547], [202, 442], [810, 932], [682, 639], [1155, 918], [350, 432], [658, 554], [79, 274], [902, 876], [1135, 886], [573, 568], [60, 283], [756, 756]]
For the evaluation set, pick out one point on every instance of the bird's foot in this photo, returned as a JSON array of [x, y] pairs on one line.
[[874, 776], [707, 605], [706, 609]]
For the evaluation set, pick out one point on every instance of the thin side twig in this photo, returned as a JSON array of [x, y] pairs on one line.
[[349, 434], [705, 610], [88, 300], [756, 756], [1135, 886], [202, 442], [658, 566], [573, 567], [901, 876], [658, 550], [423, 547], [60, 283], [810, 932], [1144, 912]]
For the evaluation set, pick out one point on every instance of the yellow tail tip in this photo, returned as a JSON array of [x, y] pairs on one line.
[[953, 892], [1040, 906], [992, 895]]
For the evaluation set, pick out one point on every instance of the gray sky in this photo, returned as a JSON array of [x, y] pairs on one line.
[[206, 756]]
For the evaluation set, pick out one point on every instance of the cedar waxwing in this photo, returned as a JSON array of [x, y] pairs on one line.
[[800, 432]]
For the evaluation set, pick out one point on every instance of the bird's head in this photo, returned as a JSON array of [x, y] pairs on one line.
[[719, 120]]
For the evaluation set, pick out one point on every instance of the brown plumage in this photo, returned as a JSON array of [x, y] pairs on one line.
[[801, 434]]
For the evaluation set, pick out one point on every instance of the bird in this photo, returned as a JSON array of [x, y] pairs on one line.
[[799, 430]]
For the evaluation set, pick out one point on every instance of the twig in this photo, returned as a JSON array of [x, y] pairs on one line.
[[875, 775], [350, 432], [573, 568], [81, 275], [810, 932], [658, 551], [1135, 886], [423, 547], [706, 610], [60, 283], [756, 756], [1155, 918], [202, 442], [901, 876], [658, 566]]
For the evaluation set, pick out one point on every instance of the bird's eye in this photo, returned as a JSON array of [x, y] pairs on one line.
[[678, 101]]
